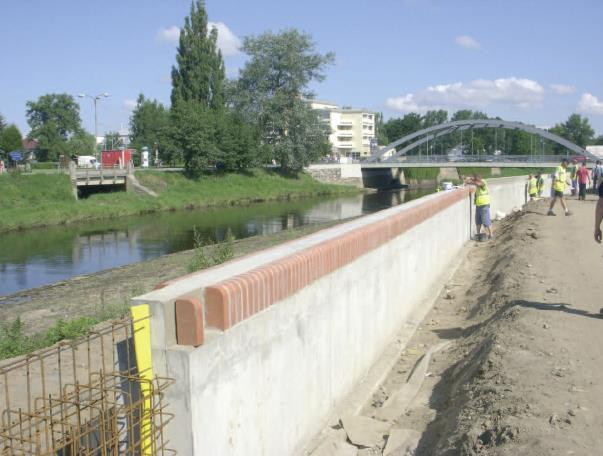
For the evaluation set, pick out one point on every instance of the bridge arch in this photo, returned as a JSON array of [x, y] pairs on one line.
[[431, 133]]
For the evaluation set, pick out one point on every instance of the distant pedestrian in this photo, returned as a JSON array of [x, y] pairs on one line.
[[532, 187], [597, 175], [482, 204], [583, 180], [1, 166], [573, 169], [559, 184]]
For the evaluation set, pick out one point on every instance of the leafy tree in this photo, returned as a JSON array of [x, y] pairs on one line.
[[149, 126], [112, 140], [432, 118], [199, 73], [598, 140], [11, 139], [239, 145], [81, 143], [193, 133], [271, 90], [2, 123], [53, 118], [397, 128], [576, 129]]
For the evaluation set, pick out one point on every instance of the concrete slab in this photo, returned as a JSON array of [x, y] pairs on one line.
[[401, 442], [334, 447], [365, 431], [397, 403]]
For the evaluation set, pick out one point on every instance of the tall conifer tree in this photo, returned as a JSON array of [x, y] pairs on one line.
[[198, 75]]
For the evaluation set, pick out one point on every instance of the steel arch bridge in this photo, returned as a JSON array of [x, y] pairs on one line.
[[432, 133]]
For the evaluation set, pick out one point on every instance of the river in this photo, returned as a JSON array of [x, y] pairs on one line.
[[37, 257]]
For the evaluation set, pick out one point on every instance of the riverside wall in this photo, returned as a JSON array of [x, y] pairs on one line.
[[264, 347]]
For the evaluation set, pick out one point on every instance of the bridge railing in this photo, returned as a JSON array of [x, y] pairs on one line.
[[476, 159]]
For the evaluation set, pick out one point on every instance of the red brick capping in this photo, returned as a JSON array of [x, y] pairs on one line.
[[189, 322], [233, 300]]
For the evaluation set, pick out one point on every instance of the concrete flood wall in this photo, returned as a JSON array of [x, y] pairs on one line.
[[277, 339]]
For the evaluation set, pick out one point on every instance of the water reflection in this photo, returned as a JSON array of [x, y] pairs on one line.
[[38, 257]]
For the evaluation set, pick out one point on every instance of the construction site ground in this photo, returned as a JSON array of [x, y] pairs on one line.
[[510, 359]]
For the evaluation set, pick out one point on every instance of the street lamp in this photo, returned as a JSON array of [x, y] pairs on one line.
[[94, 98]]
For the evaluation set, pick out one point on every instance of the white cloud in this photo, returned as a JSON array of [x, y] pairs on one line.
[[562, 89], [479, 94], [129, 104], [589, 104], [228, 42], [169, 35], [468, 42]]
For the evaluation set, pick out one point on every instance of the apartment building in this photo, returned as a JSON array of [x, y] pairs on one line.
[[352, 130]]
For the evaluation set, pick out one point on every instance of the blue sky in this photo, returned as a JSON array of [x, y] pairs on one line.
[[535, 61]]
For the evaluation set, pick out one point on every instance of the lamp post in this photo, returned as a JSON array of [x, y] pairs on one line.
[[94, 99]]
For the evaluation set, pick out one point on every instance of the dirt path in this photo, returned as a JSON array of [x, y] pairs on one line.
[[91, 294], [523, 371]]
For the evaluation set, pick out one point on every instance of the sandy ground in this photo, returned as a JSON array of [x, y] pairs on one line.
[[39, 308], [522, 373]]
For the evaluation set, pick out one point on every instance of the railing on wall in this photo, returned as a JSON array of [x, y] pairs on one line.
[[86, 397]]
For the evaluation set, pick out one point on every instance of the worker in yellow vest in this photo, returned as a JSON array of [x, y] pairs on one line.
[[482, 204], [559, 183], [532, 186]]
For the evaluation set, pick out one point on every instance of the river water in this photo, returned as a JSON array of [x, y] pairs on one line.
[[37, 257]]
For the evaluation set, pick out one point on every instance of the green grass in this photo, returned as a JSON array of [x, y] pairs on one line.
[[421, 173], [46, 199], [15, 342]]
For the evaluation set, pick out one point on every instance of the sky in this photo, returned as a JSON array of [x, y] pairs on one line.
[[535, 61]]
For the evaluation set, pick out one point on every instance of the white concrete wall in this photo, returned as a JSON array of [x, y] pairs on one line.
[[267, 385]]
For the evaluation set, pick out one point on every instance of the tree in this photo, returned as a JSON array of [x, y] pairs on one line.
[[271, 93], [53, 118], [81, 143], [397, 128], [193, 131], [199, 73], [149, 124], [598, 140], [432, 118], [112, 140], [576, 129], [2, 123], [11, 139], [197, 93]]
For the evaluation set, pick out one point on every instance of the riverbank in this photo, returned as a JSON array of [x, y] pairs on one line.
[[86, 299], [38, 200]]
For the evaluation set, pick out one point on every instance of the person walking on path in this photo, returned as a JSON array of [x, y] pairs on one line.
[[532, 187], [599, 214], [540, 183], [597, 174], [559, 183], [583, 180], [482, 204]]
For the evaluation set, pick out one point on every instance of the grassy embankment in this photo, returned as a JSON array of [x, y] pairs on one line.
[[38, 200]]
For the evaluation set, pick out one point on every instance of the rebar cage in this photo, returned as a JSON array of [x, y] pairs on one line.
[[85, 397]]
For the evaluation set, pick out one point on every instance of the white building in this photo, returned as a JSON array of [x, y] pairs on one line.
[[352, 130]]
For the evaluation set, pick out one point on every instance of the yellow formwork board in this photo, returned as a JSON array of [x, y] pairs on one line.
[[141, 326]]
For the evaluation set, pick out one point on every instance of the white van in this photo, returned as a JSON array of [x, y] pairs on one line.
[[87, 161]]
